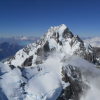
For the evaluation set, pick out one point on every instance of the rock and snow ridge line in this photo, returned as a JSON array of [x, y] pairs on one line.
[[58, 39]]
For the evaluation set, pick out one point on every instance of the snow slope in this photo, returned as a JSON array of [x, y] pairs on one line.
[[40, 85], [42, 82]]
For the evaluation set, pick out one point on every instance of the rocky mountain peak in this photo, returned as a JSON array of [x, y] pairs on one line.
[[76, 39], [56, 39]]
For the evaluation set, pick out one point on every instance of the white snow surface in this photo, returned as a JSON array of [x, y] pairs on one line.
[[45, 84]]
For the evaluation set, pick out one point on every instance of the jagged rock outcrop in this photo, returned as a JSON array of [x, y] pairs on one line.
[[75, 40], [28, 61], [12, 67], [60, 42], [46, 47], [67, 34], [97, 51], [73, 76], [40, 52]]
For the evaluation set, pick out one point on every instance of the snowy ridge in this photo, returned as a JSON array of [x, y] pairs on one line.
[[57, 38], [60, 29]]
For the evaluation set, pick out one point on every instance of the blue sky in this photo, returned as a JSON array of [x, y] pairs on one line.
[[35, 17]]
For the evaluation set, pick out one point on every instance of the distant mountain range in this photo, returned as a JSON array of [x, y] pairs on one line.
[[19, 40], [10, 45], [7, 49]]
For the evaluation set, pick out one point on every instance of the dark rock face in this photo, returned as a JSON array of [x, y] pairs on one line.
[[40, 52], [24, 76], [28, 61], [23, 84], [46, 50], [65, 76], [27, 49], [12, 67], [67, 34], [76, 87], [97, 51], [60, 42], [20, 68], [76, 39], [46, 47], [92, 58], [57, 35], [40, 55], [39, 60], [54, 35]]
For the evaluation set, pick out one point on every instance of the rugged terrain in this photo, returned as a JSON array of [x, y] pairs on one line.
[[58, 39], [59, 66]]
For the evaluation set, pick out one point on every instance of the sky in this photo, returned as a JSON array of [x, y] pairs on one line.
[[35, 17]]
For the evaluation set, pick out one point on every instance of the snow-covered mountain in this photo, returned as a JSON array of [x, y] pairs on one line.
[[95, 41], [59, 66], [58, 39]]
